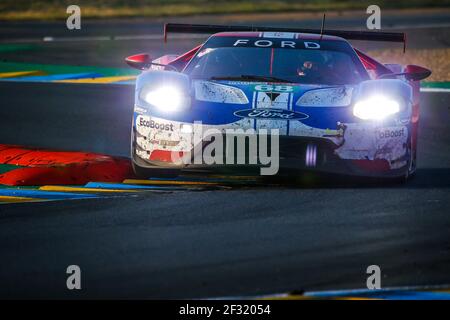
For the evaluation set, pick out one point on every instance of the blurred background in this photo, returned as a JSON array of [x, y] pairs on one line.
[[111, 30], [55, 9]]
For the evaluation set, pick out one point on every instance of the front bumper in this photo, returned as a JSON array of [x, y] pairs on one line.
[[295, 153], [360, 148]]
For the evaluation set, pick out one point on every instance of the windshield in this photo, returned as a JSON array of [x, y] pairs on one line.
[[282, 64]]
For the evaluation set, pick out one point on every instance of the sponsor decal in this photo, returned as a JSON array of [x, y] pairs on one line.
[[365, 142], [165, 143], [263, 43], [155, 125], [389, 133], [272, 114]]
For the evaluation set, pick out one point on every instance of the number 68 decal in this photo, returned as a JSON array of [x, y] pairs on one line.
[[268, 87]]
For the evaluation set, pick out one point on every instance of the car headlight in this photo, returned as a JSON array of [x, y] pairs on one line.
[[376, 108], [216, 92], [166, 98], [328, 97]]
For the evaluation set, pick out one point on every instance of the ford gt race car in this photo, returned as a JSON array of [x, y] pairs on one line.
[[276, 97]]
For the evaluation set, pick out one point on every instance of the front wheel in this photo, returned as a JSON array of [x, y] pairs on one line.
[[412, 164], [412, 156], [146, 173]]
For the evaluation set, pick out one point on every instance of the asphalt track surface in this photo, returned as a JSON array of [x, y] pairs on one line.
[[214, 243]]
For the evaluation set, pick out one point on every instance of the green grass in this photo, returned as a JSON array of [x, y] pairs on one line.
[[61, 69], [16, 47], [56, 9], [8, 167]]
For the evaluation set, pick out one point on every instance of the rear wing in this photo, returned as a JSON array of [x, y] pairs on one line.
[[349, 35]]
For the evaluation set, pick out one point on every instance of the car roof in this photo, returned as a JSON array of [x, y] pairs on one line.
[[279, 35]]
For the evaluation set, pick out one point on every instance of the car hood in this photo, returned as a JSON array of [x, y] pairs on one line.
[[299, 102], [223, 102], [225, 91]]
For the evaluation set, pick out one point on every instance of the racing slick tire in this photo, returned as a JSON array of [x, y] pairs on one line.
[[412, 163], [146, 173]]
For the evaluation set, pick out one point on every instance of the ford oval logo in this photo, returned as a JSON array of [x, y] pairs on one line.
[[270, 114]]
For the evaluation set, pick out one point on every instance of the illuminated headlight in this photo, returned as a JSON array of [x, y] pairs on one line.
[[166, 98], [376, 108]]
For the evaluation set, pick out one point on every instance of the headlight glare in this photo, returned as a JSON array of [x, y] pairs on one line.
[[376, 108], [166, 98]]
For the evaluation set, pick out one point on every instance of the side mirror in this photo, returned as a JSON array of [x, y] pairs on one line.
[[143, 61], [416, 73], [412, 72], [140, 61]]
